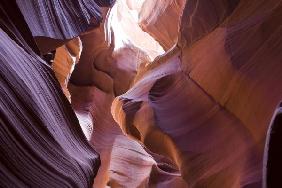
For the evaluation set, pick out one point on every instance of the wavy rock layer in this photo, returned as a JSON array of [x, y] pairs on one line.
[[41, 141], [42, 144], [215, 91], [60, 19], [54, 22]]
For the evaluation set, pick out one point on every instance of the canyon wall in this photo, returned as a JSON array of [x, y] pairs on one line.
[[42, 144], [208, 102], [78, 112]]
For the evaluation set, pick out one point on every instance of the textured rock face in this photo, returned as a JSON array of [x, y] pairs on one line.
[[60, 19], [42, 144], [66, 57], [161, 19], [245, 51], [219, 96], [204, 114], [52, 23]]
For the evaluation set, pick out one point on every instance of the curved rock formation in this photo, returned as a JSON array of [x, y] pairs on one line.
[[41, 141], [200, 115], [225, 66], [42, 144], [53, 22], [99, 76], [272, 155], [59, 19], [64, 61]]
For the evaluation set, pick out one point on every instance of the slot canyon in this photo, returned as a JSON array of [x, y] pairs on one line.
[[141, 93]]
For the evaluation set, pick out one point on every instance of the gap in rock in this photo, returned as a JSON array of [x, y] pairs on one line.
[[123, 20]]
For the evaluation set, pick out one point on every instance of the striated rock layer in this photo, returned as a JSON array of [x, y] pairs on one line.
[[42, 144], [41, 141]]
